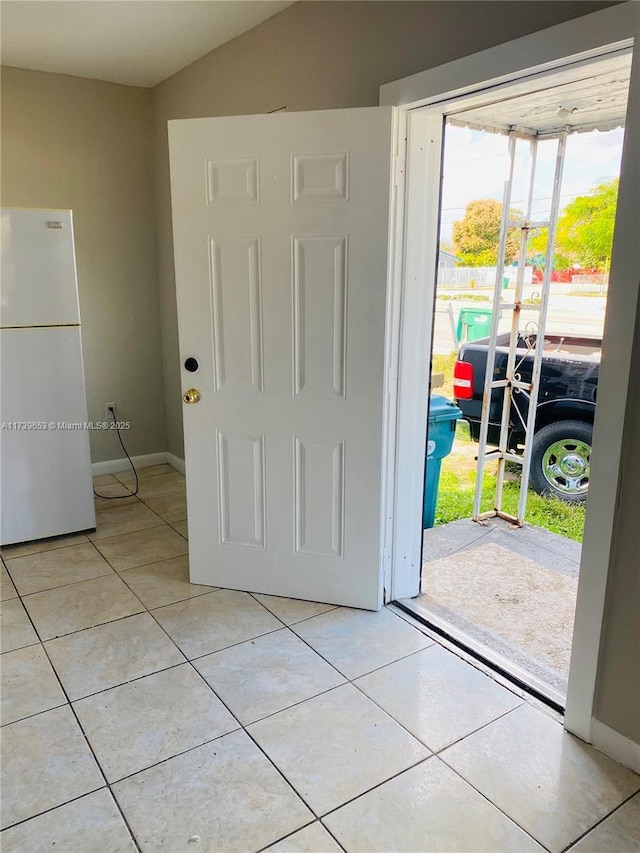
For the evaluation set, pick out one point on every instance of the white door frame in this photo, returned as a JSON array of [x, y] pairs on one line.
[[410, 307]]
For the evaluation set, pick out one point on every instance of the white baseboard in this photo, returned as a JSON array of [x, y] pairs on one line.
[[175, 462], [622, 749], [112, 465]]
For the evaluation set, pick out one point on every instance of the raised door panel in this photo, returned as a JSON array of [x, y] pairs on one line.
[[320, 315], [236, 313], [241, 482], [319, 467]]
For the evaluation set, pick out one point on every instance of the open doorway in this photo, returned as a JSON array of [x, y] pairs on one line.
[[504, 589]]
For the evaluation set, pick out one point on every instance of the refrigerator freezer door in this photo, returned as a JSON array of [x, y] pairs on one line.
[[38, 269], [46, 487]]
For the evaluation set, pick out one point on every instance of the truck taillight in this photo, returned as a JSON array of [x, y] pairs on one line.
[[463, 380]]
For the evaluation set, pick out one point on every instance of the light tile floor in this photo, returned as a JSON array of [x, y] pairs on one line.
[[141, 712]]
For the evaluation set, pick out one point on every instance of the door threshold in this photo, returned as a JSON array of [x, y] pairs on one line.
[[509, 670]]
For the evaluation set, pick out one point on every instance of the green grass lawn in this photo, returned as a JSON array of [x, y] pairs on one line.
[[444, 364], [466, 297], [455, 500], [457, 481]]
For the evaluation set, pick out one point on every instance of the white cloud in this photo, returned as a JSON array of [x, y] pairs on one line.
[[476, 166]]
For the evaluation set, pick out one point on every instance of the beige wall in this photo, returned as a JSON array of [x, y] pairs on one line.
[[86, 145], [315, 56]]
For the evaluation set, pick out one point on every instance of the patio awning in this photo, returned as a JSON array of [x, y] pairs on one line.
[[590, 97]]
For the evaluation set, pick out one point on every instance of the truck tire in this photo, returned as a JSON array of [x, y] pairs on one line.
[[560, 460]]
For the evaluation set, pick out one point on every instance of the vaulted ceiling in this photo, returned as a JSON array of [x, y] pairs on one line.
[[136, 42]]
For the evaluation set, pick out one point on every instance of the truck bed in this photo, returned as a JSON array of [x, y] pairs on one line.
[[568, 380]]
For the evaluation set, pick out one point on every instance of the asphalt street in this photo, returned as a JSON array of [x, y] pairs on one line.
[[581, 316]]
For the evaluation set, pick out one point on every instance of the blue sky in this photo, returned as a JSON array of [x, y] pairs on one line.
[[476, 163]]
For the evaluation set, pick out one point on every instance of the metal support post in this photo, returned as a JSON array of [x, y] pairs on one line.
[[542, 322], [513, 387], [493, 335]]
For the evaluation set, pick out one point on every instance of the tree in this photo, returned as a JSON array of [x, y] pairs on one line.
[[477, 234], [585, 230]]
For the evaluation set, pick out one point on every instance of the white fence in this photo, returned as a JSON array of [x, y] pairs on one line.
[[590, 284], [470, 278]]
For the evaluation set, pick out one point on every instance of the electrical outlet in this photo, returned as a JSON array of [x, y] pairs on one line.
[[110, 411]]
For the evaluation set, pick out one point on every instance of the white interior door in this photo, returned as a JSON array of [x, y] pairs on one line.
[[281, 235]]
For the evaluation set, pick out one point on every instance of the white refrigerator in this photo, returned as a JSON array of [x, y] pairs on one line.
[[46, 488]]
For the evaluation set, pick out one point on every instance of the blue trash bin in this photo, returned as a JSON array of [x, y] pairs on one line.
[[441, 431]]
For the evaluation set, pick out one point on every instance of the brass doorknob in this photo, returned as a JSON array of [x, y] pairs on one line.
[[191, 396]]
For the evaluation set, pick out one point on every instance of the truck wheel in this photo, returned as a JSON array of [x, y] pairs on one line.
[[560, 460]]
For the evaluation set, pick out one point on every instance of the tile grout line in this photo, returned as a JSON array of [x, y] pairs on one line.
[[35, 713], [573, 843], [130, 681], [73, 711], [375, 787], [91, 751], [68, 802], [180, 663], [47, 551], [74, 583], [479, 729], [151, 562], [227, 648], [249, 734], [486, 798], [318, 817], [433, 754], [295, 831], [33, 625], [243, 727], [5, 557], [470, 661], [331, 833], [415, 737], [62, 585], [370, 672], [294, 705], [97, 625], [160, 523], [367, 672], [494, 674], [386, 713], [272, 844]]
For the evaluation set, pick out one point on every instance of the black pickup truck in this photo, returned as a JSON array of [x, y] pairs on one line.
[[565, 410]]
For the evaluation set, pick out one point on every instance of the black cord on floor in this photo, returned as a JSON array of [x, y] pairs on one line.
[[135, 473]]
